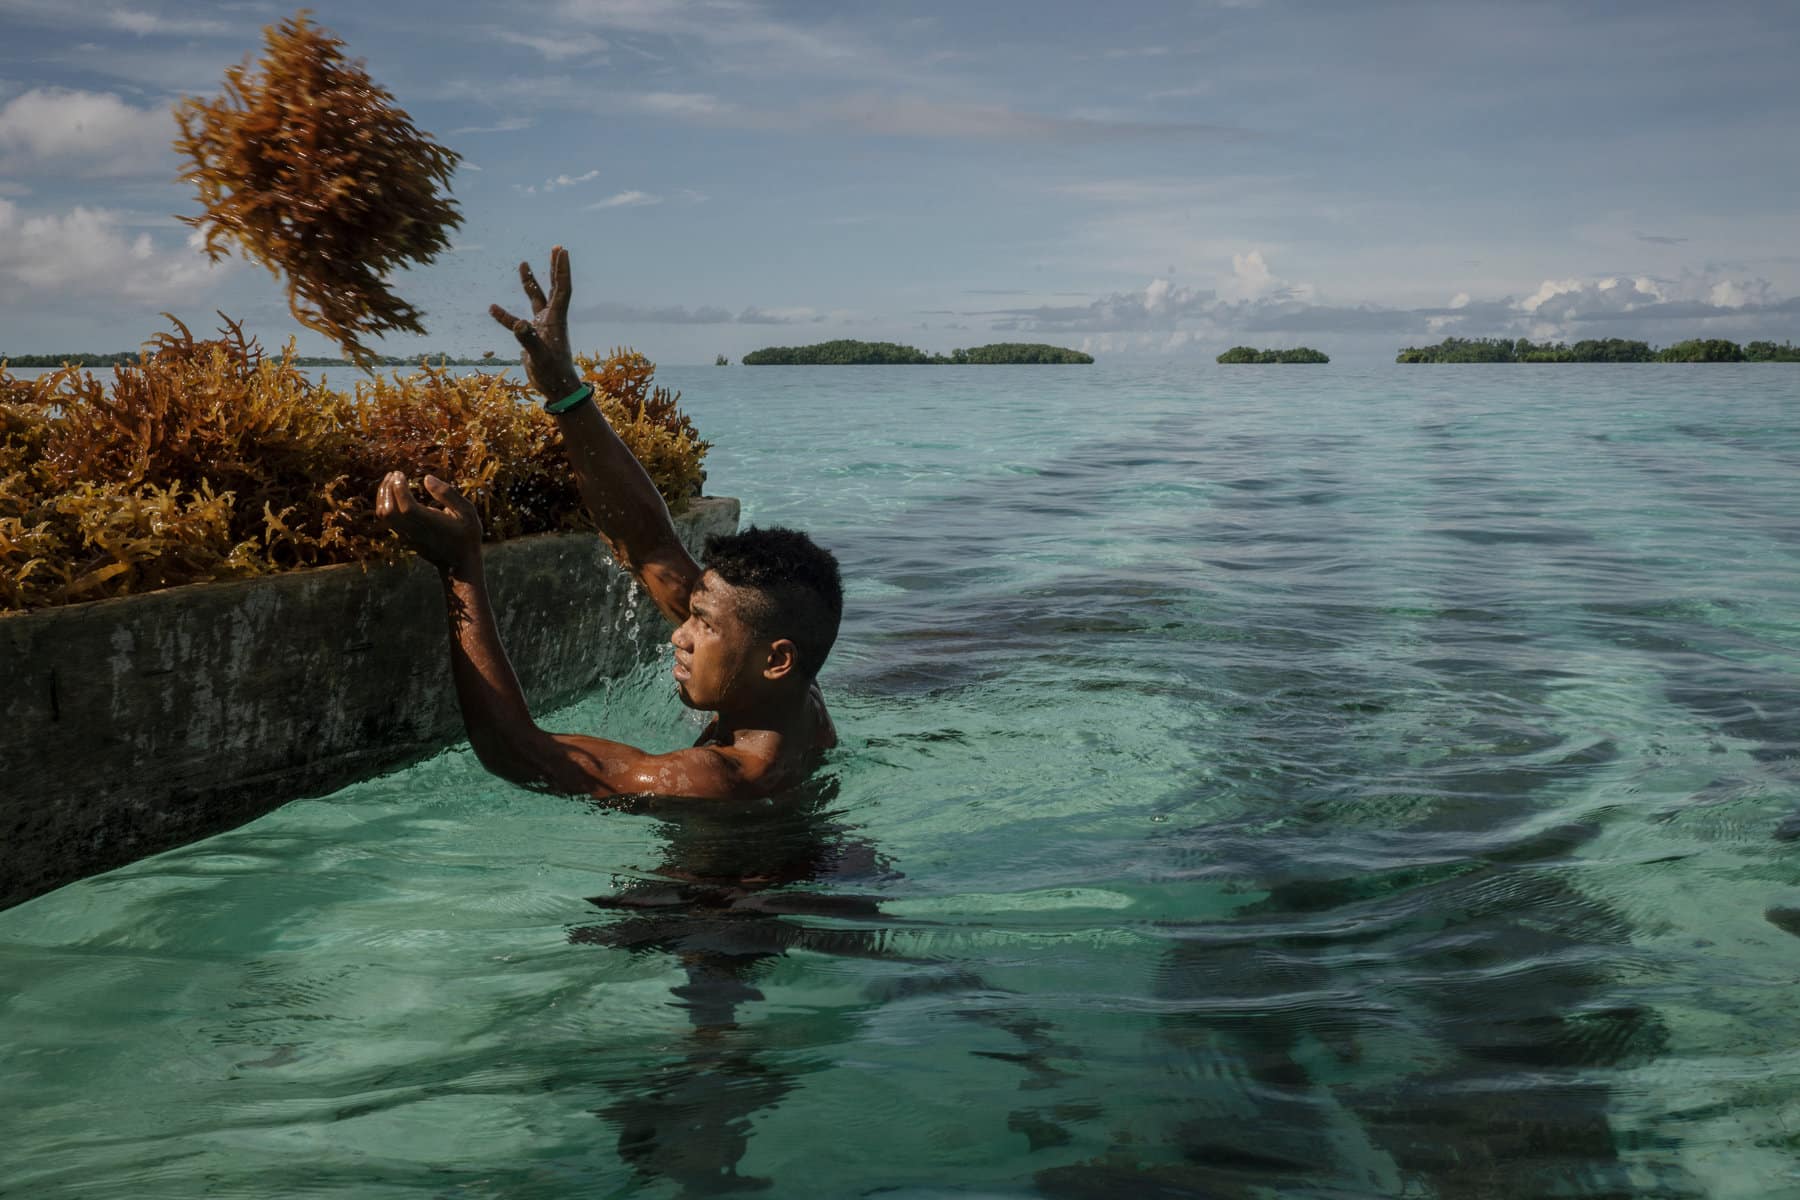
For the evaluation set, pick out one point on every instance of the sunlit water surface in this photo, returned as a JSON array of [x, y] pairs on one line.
[[1295, 781]]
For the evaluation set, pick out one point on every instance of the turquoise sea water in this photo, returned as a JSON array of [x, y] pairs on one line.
[[1303, 782]]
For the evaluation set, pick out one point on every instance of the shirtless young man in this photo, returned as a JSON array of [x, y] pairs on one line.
[[752, 627]]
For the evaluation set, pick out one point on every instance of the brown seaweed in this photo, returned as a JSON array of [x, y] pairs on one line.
[[308, 167], [209, 459]]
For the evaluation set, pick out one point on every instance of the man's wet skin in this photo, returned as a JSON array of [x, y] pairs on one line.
[[710, 643], [751, 630]]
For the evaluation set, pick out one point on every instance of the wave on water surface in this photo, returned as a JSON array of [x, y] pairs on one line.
[[1371, 783]]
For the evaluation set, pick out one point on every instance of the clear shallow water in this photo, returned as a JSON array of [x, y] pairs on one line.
[[1316, 783]]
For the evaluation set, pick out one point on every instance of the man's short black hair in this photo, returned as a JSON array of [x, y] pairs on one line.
[[802, 596]]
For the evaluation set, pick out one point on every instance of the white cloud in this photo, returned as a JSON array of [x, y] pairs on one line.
[[1250, 276], [1549, 290], [617, 312], [94, 133], [754, 315], [631, 199], [1252, 279], [504, 125], [141, 23], [1167, 193], [1572, 307], [563, 181], [1565, 299], [161, 65], [1159, 305], [85, 254], [559, 47], [726, 24], [1740, 293], [689, 105], [915, 116]]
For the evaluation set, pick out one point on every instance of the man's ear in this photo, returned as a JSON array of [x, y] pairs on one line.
[[783, 661]]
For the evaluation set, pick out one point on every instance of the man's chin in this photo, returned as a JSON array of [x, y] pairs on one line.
[[681, 693]]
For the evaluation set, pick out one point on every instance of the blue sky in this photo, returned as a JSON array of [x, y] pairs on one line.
[[1133, 178]]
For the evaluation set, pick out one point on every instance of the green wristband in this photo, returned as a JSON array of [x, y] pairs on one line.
[[558, 407]]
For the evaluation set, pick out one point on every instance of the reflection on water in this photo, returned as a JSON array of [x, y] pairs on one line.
[[713, 905], [718, 904]]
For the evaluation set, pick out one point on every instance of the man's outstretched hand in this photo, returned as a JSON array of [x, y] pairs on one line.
[[448, 537], [544, 339]]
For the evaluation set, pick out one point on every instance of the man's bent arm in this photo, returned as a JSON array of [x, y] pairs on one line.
[[511, 745], [501, 731]]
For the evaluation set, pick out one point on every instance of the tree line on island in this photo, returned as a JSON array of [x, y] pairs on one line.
[[845, 352], [1596, 350], [1250, 354]]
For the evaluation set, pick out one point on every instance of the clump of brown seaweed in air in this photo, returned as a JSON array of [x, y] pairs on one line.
[[208, 459], [307, 165]]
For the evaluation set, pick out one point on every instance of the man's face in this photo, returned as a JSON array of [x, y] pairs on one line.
[[716, 655]]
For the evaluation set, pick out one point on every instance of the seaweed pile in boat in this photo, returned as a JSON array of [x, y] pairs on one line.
[[208, 459]]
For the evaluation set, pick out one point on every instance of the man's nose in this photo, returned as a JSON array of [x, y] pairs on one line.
[[675, 638]]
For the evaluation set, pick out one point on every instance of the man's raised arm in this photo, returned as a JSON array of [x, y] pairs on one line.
[[501, 730], [624, 504]]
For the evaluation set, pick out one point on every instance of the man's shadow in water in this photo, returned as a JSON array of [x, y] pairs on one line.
[[716, 904]]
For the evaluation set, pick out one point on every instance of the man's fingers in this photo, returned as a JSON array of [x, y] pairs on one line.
[[533, 292], [522, 329], [516, 324], [561, 283], [448, 496], [393, 498]]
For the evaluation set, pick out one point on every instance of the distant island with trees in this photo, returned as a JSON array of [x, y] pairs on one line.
[[1250, 354], [1603, 350], [125, 357], [846, 353]]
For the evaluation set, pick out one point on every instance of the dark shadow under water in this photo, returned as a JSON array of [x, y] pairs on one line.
[[714, 905], [1446, 1018], [719, 905]]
